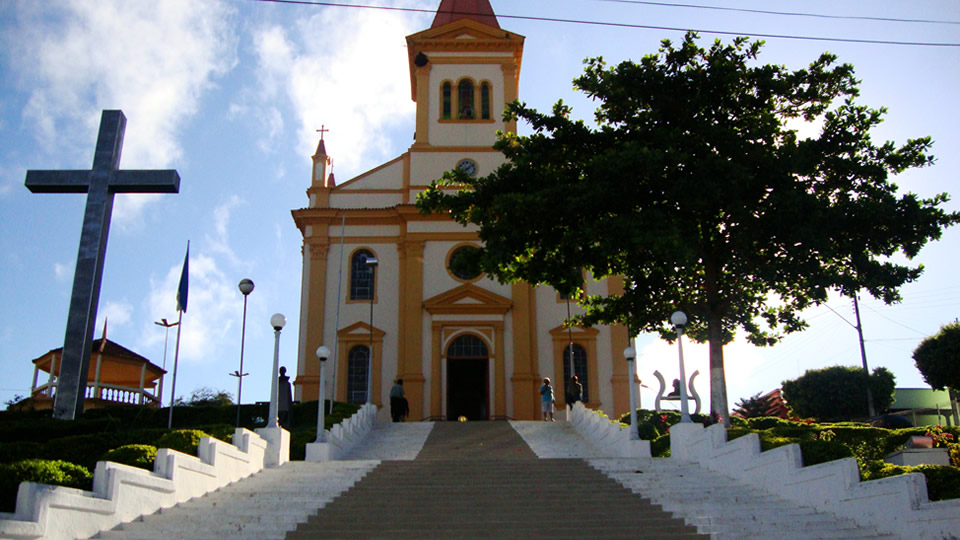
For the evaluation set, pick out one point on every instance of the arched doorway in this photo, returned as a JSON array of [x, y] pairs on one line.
[[468, 379]]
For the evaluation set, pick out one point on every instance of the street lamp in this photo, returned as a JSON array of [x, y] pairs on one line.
[[276, 321], [246, 287], [372, 263], [679, 320], [167, 325], [631, 354], [322, 354]]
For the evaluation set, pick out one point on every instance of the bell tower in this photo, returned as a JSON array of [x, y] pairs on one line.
[[464, 70]]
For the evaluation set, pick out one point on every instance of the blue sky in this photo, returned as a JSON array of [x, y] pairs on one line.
[[230, 94]]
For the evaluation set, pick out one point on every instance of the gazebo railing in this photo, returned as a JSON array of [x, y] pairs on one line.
[[105, 392]]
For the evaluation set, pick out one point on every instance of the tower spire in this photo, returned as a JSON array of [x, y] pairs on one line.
[[454, 10]]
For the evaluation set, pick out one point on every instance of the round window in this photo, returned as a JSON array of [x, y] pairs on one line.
[[456, 267]]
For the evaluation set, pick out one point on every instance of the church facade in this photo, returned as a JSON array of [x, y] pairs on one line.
[[377, 277]]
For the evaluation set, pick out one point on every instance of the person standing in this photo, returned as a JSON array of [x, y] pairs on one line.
[[397, 401], [546, 399], [574, 391]]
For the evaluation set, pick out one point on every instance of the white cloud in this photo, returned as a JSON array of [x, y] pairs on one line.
[[220, 241], [211, 308], [345, 69], [151, 59], [115, 313], [62, 272]]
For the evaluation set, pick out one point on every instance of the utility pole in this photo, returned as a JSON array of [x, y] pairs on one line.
[[863, 356]]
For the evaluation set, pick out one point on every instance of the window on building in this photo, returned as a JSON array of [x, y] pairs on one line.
[[447, 100], [467, 346], [579, 369], [362, 276], [357, 368], [461, 273], [485, 101], [465, 100]]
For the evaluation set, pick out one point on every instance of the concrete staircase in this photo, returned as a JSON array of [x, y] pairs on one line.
[[483, 480], [725, 510], [264, 506]]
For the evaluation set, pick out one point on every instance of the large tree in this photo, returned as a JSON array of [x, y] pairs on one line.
[[938, 358], [837, 393], [695, 187]]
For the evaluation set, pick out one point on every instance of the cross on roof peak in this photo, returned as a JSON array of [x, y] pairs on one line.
[[323, 129]]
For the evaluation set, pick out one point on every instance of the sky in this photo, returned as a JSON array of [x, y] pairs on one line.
[[230, 93]]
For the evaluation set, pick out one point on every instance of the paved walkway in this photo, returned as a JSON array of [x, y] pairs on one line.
[[404, 441]]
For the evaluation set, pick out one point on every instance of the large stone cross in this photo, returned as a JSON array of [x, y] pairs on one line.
[[100, 184]]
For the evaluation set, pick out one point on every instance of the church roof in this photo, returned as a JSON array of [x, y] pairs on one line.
[[454, 10]]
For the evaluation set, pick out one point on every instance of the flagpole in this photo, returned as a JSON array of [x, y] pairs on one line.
[[182, 290], [173, 385]]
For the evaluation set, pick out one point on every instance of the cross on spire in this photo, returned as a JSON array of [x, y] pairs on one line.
[[100, 184], [322, 130]]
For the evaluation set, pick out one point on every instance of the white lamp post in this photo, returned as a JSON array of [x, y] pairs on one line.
[[372, 264], [246, 287], [322, 354], [631, 354], [679, 320], [276, 321]]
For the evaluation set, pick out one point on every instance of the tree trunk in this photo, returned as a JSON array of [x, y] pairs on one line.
[[718, 382]]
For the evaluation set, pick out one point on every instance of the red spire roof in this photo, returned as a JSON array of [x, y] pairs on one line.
[[454, 10]]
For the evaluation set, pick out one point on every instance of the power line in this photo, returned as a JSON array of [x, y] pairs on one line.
[[783, 13], [628, 25]]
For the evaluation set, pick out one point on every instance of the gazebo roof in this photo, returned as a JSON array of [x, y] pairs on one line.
[[120, 364]]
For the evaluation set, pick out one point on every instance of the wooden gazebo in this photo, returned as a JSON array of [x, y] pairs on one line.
[[117, 376]]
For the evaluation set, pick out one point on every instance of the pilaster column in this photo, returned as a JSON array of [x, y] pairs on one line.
[[619, 340], [410, 340], [312, 310], [525, 365]]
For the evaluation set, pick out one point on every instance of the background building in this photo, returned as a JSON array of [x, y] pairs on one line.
[[463, 344]]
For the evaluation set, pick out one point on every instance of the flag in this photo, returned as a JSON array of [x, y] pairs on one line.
[[182, 289]]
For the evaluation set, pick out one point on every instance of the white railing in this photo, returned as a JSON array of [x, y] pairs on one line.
[[105, 392], [605, 435], [897, 504]]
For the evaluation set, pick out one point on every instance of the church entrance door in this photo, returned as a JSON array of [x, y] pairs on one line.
[[468, 379]]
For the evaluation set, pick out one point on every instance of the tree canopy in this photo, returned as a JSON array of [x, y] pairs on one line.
[[697, 190], [838, 393], [938, 358]]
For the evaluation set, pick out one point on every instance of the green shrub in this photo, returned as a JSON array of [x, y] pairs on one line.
[[769, 442], [84, 450], [136, 455], [942, 482], [767, 422], [821, 451], [182, 440], [57, 473], [660, 447], [647, 431], [18, 451]]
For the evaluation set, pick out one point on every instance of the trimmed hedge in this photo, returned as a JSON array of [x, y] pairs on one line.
[[942, 482], [182, 440], [57, 473], [136, 455]]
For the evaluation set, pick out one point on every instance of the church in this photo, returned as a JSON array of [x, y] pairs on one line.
[[377, 287]]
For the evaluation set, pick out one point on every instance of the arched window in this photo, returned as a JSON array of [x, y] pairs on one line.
[[485, 101], [362, 276], [579, 369], [465, 100], [447, 99], [467, 346], [357, 368]]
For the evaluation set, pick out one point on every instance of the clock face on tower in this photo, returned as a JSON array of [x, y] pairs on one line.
[[468, 166]]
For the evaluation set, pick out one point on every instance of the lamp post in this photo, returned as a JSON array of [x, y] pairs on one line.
[[322, 354], [246, 287], [276, 321], [631, 354], [372, 264], [167, 326], [679, 320]]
